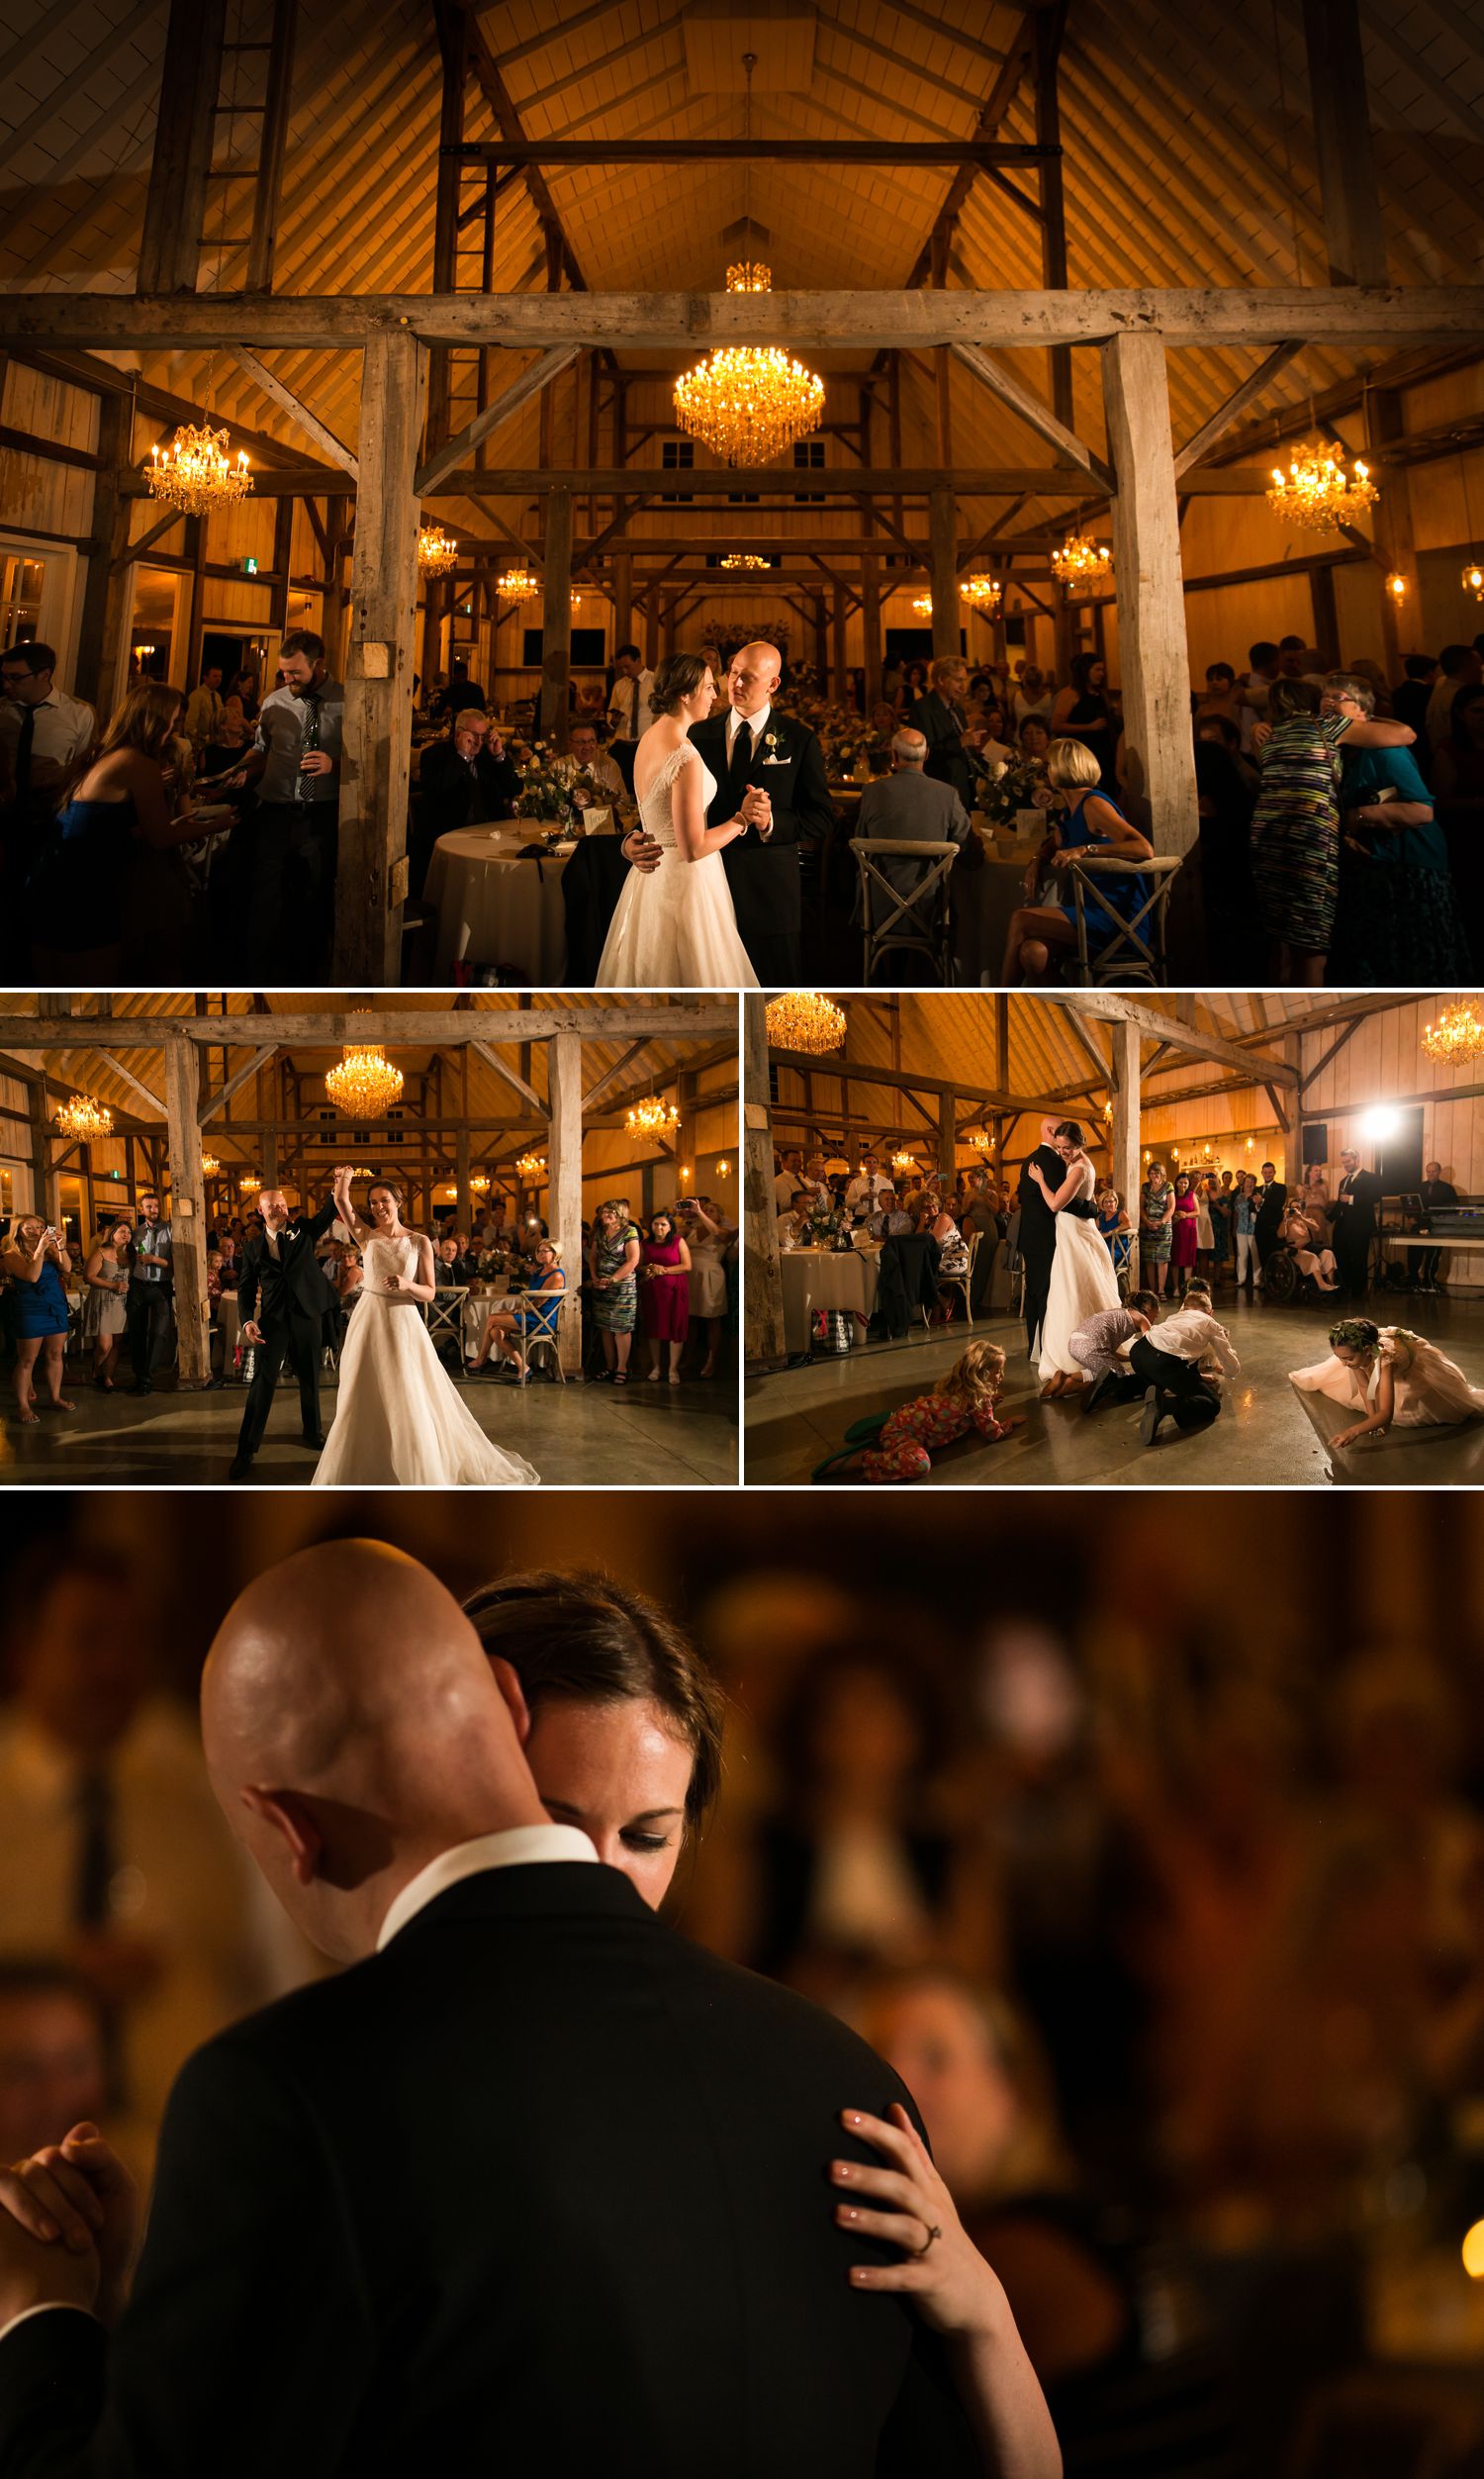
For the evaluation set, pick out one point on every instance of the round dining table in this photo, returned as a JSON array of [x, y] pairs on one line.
[[496, 908], [826, 1278]]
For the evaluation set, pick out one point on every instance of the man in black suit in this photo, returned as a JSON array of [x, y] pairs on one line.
[[1038, 1230], [533, 2184], [1355, 1224], [769, 769], [942, 718], [283, 1295], [466, 780], [1272, 1197]]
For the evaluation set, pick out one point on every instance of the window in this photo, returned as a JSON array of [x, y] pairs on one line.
[[743, 499], [676, 457], [589, 649], [809, 453]]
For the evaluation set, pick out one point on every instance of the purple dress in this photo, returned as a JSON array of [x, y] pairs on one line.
[[663, 1291], [1183, 1252]]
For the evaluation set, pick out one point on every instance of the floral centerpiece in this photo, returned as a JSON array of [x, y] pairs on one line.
[[549, 787], [1010, 787], [821, 1225]]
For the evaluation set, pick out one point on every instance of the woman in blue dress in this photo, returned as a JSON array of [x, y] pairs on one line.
[[535, 1319], [1043, 935], [33, 1263], [1399, 919]]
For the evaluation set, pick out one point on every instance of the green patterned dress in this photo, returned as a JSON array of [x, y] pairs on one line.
[[615, 1308], [1296, 831]]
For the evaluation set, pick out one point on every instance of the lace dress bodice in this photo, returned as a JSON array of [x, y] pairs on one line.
[[382, 1257], [654, 812]]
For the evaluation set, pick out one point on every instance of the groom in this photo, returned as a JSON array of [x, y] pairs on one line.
[[770, 769], [1038, 1229], [531, 2185], [283, 1293]]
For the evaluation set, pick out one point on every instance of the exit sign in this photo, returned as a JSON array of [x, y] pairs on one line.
[[249, 567]]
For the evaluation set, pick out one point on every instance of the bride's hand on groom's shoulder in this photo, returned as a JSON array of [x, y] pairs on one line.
[[68, 2226], [954, 2289]]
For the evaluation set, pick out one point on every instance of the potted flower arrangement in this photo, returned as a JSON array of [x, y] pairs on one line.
[[1010, 787], [822, 1226]]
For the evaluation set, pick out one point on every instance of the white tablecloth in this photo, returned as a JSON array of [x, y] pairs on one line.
[[495, 909], [823, 1277]]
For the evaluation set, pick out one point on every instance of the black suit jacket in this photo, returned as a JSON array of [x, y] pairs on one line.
[[1358, 1220], [446, 786], [1037, 1223], [296, 1286], [763, 877], [541, 2188], [1269, 1215], [941, 725]]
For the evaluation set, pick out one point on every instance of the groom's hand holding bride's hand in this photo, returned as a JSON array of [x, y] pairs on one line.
[[68, 2226], [944, 2273]]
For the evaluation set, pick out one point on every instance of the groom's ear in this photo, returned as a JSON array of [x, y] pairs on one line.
[[285, 1813], [509, 1685]]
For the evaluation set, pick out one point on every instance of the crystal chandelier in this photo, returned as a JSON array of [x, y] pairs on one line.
[[1320, 491], [903, 1163], [196, 474], [744, 559], [1082, 562], [982, 592], [436, 550], [652, 1119], [804, 1019], [530, 1167], [250, 1183], [1458, 1034], [982, 1141], [209, 1166], [365, 1084], [480, 1183], [518, 585], [922, 605], [748, 403], [83, 1118]]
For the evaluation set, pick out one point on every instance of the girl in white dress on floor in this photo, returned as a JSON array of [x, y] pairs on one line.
[[1082, 1279], [1393, 1378], [675, 927], [400, 1421]]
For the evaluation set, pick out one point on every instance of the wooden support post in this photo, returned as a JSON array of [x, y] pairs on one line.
[[108, 594], [198, 545], [948, 1138], [334, 609], [45, 1181], [1385, 419], [463, 1194], [1125, 1168], [564, 1091], [763, 1275], [943, 564], [175, 203], [1355, 242], [283, 556], [556, 619], [871, 626], [652, 627], [187, 1206], [1158, 747], [838, 617], [275, 137], [376, 769]]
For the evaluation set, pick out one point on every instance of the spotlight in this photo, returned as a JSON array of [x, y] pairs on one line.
[[1380, 1122]]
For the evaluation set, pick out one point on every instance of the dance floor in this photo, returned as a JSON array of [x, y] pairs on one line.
[[1268, 1435], [590, 1436]]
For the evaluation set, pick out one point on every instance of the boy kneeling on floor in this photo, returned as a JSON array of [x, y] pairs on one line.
[[1182, 1364], [962, 1400]]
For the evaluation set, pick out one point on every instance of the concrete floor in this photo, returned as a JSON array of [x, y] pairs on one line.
[[1267, 1436], [578, 1436]]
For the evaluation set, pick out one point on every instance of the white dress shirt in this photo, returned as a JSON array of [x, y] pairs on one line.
[[628, 705], [281, 721], [1189, 1334], [519, 1845], [864, 1192], [756, 724], [61, 733]]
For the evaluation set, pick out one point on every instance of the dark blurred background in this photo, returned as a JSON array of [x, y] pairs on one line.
[[1148, 1841]]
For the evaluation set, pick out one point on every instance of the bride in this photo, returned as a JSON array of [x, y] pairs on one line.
[[675, 927], [399, 1417], [1082, 1279]]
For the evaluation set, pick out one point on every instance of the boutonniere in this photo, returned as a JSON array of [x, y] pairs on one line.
[[770, 743]]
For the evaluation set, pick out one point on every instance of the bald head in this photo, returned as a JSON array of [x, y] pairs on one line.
[[753, 674], [354, 1731]]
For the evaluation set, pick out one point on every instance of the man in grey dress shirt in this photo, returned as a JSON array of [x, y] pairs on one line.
[[290, 860], [908, 807]]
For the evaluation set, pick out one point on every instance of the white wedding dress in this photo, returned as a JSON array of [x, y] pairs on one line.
[[1083, 1282], [1428, 1390], [399, 1418], [675, 927]]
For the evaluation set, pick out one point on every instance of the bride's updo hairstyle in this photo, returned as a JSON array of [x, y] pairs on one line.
[[582, 1639], [392, 1188], [1071, 1129], [679, 676]]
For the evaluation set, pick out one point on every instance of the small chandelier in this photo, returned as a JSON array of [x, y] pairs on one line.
[[436, 550], [577, 599], [723, 1170], [804, 1019], [209, 1166], [1320, 491], [250, 1183], [518, 585], [903, 1163], [83, 1118], [480, 1183], [744, 559], [652, 1119], [197, 474], [530, 1167], [922, 605], [982, 1140], [1472, 579], [983, 593], [1082, 562], [748, 403], [1458, 1034], [366, 1084]]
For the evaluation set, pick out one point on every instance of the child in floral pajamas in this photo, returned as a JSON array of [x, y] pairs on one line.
[[964, 1400]]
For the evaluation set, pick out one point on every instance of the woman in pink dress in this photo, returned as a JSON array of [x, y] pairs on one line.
[[1185, 1232], [665, 1293]]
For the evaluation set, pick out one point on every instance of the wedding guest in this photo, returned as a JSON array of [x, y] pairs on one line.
[[1218, 699], [960, 1401], [1409, 702], [891, 1220], [294, 764], [1034, 736], [907, 807], [1389, 1377], [1458, 667], [108, 896], [1219, 1211], [1271, 1199], [1032, 699], [1082, 711], [1041, 936], [1097, 1347], [788, 1179], [1458, 759], [1111, 1218], [581, 744], [206, 710], [223, 750], [1304, 1237], [106, 1275], [1166, 1361], [1353, 1222], [1398, 917], [1155, 1229], [1434, 1191], [628, 705], [535, 1318], [863, 1191], [44, 735], [466, 780], [708, 1235], [34, 1261], [463, 694], [1185, 1232], [940, 718], [612, 1267], [665, 1295]]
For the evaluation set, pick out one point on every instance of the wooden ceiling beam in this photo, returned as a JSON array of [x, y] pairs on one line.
[[566, 155]]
